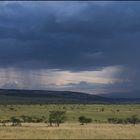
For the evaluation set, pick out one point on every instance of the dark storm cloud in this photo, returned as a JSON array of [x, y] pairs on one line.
[[69, 35]]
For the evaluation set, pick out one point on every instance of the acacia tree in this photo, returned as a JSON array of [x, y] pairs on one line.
[[57, 117]]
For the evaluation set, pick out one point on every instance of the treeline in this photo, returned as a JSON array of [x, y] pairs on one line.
[[130, 120], [57, 117], [25, 119]]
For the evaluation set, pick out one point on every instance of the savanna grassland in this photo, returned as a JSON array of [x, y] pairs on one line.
[[98, 112], [71, 129]]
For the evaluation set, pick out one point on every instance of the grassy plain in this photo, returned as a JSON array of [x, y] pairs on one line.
[[98, 112], [71, 131]]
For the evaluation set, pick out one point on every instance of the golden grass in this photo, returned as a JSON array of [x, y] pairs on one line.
[[71, 131]]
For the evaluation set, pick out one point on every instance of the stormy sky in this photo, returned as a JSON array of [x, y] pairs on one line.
[[92, 47]]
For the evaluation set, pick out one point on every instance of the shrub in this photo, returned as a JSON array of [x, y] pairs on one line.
[[120, 121], [11, 108], [15, 121], [26, 118], [83, 119], [30, 119], [88, 120], [133, 120], [117, 110], [112, 120]]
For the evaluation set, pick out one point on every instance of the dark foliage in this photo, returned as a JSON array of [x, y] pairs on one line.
[[56, 117], [83, 119], [132, 120], [15, 121]]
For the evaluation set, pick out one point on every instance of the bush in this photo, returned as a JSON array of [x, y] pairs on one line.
[[33, 119], [83, 119], [112, 120], [15, 121], [132, 120], [26, 118], [88, 120], [11, 108], [120, 121]]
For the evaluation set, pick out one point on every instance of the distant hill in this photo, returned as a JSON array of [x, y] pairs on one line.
[[44, 96], [130, 95]]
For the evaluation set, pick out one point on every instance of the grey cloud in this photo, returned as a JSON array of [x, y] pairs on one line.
[[71, 36], [54, 37]]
